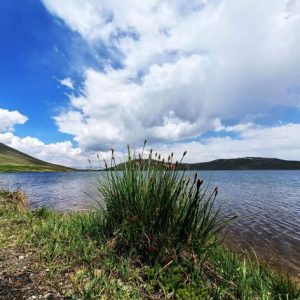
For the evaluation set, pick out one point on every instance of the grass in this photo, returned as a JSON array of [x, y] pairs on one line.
[[9, 168], [157, 211], [156, 237]]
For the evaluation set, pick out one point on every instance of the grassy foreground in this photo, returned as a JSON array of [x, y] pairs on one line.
[[80, 264], [156, 238]]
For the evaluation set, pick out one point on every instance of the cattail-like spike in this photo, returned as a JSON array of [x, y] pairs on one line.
[[105, 163], [195, 177], [112, 154], [128, 149], [183, 155], [216, 191], [198, 184]]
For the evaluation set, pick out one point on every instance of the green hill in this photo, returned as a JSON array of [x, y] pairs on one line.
[[246, 163], [12, 160]]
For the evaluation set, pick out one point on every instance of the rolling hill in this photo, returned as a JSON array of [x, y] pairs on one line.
[[12, 160], [246, 163]]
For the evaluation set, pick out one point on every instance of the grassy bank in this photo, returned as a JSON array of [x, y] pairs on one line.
[[73, 261], [156, 238]]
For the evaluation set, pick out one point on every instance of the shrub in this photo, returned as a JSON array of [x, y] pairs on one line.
[[154, 208]]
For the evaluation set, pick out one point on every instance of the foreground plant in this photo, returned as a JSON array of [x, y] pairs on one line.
[[156, 209], [64, 253]]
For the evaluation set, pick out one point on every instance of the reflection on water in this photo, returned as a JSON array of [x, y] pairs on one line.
[[267, 203]]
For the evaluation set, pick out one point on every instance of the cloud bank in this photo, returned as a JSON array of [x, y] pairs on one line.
[[179, 73], [186, 67]]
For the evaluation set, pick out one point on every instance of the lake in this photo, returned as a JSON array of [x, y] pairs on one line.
[[267, 203]]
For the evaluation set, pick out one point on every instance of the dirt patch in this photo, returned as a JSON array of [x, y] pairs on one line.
[[23, 277]]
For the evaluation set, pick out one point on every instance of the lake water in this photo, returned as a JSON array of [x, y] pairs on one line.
[[267, 203]]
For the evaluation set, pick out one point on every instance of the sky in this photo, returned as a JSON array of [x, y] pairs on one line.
[[218, 78]]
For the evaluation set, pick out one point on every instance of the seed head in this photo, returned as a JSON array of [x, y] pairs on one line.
[[195, 177], [105, 163], [216, 191], [198, 184]]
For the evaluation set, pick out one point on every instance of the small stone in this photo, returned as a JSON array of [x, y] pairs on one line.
[[21, 257]]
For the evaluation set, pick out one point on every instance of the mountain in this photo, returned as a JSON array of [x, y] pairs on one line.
[[246, 163], [12, 160]]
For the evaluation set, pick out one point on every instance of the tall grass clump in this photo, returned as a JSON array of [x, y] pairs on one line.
[[153, 207]]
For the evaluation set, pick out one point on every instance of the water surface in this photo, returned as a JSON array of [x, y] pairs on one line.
[[267, 203]]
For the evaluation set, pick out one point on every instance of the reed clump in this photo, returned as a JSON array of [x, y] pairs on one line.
[[155, 209]]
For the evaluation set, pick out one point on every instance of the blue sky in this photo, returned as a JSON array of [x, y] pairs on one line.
[[218, 78]]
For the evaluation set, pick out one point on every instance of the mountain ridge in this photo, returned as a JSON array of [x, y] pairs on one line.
[[243, 163]]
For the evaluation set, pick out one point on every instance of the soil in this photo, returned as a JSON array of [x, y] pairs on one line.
[[23, 277]]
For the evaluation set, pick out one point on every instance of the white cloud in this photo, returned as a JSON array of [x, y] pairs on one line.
[[8, 119], [67, 82], [282, 141], [187, 66], [58, 153]]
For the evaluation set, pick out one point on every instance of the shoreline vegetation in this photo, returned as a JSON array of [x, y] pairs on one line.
[[155, 234]]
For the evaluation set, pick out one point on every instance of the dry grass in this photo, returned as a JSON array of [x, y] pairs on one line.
[[19, 198]]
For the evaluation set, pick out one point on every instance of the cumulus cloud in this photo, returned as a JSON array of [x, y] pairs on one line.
[[187, 67], [8, 119], [58, 153], [281, 141]]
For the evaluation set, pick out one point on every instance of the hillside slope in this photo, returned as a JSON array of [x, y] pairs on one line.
[[246, 163], [12, 160]]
